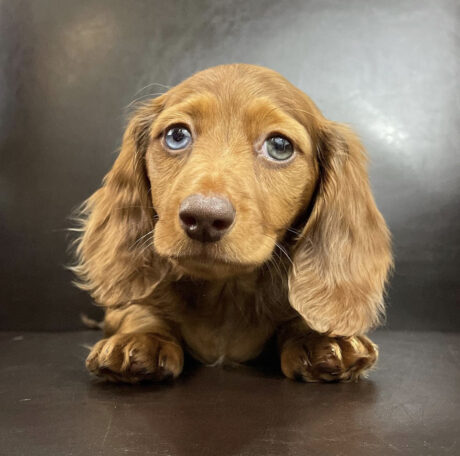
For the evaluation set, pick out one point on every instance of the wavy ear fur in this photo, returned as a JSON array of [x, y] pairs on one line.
[[343, 256], [112, 261]]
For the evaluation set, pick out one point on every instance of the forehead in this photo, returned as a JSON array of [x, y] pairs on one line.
[[233, 81], [235, 98]]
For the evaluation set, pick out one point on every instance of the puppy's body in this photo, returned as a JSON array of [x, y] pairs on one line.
[[229, 320], [220, 322], [235, 211]]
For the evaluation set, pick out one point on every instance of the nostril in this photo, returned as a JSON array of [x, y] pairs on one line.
[[221, 224], [189, 220]]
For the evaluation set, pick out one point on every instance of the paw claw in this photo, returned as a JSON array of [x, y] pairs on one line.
[[329, 359], [132, 358]]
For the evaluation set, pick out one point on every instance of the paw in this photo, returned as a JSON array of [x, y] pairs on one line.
[[132, 358], [317, 358]]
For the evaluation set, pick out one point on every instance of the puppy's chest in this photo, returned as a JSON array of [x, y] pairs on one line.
[[226, 322]]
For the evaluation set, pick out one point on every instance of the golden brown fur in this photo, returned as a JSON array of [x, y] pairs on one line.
[[307, 257]]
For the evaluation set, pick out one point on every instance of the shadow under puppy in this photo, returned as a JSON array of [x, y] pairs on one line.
[[235, 211]]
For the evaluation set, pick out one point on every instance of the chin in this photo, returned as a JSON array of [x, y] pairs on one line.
[[208, 269]]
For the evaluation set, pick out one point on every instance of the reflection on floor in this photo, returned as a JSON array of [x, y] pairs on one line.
[[50, 406]]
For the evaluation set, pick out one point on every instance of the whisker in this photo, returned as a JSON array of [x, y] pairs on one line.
[[292, 230], [150, 85], [129, 207], [302, 110], [142, 237], [276, 265], [284, 251], [156, 94], [271, 262], [149, 242], [283, 263], [146, 246], [143, 97], [280, 247]]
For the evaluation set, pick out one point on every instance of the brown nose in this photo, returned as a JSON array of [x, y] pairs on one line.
[[206, 218]]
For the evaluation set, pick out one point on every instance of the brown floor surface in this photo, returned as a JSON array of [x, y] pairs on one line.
[[409, 405]]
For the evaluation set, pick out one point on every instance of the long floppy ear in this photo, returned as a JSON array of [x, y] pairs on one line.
[[343, 256], [112, 259]]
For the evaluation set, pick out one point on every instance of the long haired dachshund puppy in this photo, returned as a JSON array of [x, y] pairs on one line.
[[234, 212]]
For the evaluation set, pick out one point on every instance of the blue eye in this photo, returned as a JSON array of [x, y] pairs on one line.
[[177, 138], [278, 148]]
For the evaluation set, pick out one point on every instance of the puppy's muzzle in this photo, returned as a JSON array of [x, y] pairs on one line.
[[206, 218]]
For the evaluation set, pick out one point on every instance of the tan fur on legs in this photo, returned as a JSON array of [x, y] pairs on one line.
[[141, 346]]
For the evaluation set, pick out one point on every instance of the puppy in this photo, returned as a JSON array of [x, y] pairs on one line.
[[234, 212]]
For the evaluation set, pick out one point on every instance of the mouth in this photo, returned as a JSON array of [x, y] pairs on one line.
[[207, 259], [206, 264]]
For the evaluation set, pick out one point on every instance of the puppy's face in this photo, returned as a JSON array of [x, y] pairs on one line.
[[231, 164]]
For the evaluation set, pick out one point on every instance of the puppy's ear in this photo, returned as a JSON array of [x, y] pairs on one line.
[[343, 256], [112, 258]]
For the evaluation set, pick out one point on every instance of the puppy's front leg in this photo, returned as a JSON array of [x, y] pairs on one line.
[[141, 347], [312, 357]]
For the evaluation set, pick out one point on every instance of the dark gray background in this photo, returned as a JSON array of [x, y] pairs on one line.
[[70, 69]]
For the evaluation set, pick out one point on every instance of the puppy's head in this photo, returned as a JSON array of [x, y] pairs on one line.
[[231, 163], [217, 170]]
